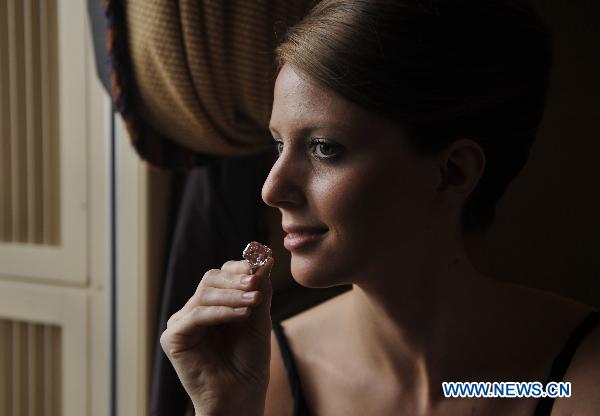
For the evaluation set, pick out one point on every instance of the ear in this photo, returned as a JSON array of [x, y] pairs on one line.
[[461, 166]]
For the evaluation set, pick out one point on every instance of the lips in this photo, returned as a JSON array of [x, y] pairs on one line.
[[302, 237], [303, 234], [302, 229]]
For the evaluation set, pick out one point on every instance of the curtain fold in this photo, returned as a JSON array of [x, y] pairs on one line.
[[220, 212], [194, 79]]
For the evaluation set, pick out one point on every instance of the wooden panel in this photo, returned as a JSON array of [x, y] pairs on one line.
[[44, 120], [30, 368], [35, 378], [29, 206]]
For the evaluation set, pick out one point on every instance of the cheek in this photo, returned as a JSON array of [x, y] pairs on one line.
[[343, 195], [375, 203]]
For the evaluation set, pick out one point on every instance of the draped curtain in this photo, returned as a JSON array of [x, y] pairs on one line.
[[195, 78]]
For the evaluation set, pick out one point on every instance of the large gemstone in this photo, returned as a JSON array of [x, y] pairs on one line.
[[257, 254]]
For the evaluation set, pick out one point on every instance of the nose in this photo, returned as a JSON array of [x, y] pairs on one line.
[[284, 187]]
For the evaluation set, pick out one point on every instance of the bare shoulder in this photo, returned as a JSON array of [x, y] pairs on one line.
[[554, 319], [584, 375]]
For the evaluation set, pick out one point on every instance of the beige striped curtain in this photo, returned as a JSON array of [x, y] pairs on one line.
[[194, 79]]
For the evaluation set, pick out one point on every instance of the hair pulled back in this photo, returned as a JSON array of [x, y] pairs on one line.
[[444, 69]]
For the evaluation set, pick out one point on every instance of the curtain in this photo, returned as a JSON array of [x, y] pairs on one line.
[[194, 79], [219, 213]]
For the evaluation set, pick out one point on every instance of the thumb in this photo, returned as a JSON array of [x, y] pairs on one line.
[[261, 314]]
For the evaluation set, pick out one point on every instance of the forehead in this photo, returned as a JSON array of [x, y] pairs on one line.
[[299, 102]]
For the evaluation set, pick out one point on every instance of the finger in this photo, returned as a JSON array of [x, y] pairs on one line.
[[207, 316], [240, 283], [180, 313], [237, 266], [210, 296], [264, 272], [261, 313], [228, 280], [184, 332], [175, 317]]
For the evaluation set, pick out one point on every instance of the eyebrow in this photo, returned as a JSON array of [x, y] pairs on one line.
[[308, 129]]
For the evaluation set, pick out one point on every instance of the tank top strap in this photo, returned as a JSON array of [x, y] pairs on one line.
[[300, 406], [564, 357]]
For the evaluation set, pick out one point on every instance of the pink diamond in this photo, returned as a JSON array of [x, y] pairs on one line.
[[257, 254]]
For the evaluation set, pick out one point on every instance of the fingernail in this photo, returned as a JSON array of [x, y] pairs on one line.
[[246, 280], [248, 295]]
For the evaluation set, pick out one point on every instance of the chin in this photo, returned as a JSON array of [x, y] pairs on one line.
[[312, 274]]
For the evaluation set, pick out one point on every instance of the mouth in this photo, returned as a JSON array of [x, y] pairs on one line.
[[305, 233], [303, 239]]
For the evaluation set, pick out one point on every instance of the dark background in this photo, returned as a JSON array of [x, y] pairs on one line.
[[547, 230]]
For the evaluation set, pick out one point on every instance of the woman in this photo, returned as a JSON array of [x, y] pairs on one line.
[[398, 125]]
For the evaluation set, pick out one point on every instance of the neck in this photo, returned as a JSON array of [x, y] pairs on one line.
[[411, 321]]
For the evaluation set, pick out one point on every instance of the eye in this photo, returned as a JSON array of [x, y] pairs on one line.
[[278, 147], [322, 149], [325, 149]]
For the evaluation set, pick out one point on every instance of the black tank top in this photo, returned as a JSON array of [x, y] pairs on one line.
[[543, 408]]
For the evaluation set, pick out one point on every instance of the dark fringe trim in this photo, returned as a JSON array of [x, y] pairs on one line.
[[159, 151]]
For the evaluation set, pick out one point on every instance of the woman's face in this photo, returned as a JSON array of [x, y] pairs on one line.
[[348, 175]]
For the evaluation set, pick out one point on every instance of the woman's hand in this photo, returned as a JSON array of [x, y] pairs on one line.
[[219, 342]]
